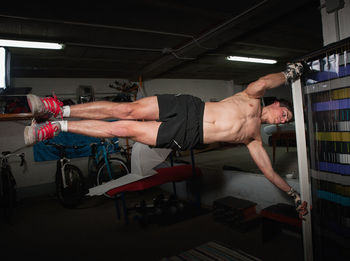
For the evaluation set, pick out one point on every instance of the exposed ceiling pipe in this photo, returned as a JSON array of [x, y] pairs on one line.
[[126, 48], [224, 25], [113, 27], [173, 52], [163, 64]]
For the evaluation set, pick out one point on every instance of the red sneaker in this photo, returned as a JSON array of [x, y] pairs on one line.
[[40, 131], [45, 108]]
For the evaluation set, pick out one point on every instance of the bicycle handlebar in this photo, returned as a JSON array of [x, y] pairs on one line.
[[8, 154], [103, 142], [61, 146]]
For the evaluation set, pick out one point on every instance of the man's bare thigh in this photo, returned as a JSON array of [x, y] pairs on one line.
[[142, 131], [146, 108]]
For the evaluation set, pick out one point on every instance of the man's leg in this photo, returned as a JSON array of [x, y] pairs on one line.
[[145, 109], [142, 131]]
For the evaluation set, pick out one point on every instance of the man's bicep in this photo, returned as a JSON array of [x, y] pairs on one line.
[[253, 93], [255, 89]]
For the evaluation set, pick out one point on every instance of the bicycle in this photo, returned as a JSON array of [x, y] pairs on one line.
[[69, 179], [102, 167], [8, 197]]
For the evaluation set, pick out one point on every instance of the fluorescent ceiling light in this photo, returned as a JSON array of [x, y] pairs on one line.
[[2, 68], [30, 44], [250, 60]]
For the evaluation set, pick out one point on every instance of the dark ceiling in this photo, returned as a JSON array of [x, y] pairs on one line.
[[161, 38]]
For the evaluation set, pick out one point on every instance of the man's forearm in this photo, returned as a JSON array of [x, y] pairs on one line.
[[278, 182], [301, 207]]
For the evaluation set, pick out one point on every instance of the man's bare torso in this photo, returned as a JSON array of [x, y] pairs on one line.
[[235, 119]]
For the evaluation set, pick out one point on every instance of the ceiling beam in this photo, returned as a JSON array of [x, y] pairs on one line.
[[232, 29]]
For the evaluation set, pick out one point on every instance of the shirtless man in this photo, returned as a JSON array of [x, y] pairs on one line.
[[177, 121]]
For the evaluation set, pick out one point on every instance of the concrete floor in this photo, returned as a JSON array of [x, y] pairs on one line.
[[43, 230]]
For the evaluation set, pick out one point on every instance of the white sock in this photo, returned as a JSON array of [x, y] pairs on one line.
[[66, 111], [63, 124]]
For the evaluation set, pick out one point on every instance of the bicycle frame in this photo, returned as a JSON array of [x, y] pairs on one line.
[[6, 155], [62, 163], [104, 154], [105, 158], [8, 182], [4, 167]]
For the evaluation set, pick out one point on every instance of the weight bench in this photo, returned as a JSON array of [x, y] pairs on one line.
[[164, 175]]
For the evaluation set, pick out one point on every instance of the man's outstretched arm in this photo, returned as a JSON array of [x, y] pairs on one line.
[[258, 88], [262, 160]]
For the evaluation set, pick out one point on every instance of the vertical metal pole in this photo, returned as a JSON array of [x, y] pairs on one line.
[[116, 202], [172, 165], [303, 167], [125, 209], [196, 180]]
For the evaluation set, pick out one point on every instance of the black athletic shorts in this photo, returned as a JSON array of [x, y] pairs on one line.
[[182, 121]]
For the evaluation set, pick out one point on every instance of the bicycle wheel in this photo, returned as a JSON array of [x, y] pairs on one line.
[[71, 195], [8, 198], [118, 169]]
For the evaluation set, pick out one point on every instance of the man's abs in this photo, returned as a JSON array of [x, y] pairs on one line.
[[231, 120]]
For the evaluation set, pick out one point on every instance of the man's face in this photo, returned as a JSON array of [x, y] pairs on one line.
[[279, 114]]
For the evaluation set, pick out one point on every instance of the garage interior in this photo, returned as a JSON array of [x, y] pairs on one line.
[[161, 47]]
